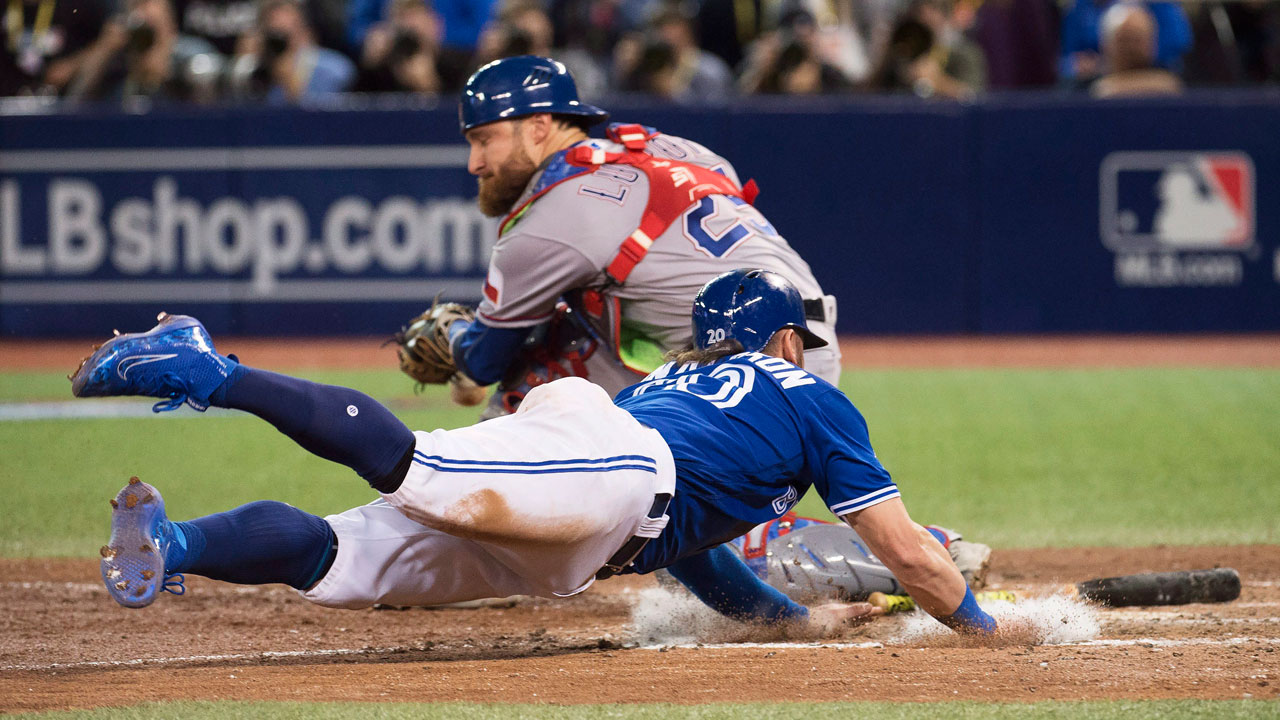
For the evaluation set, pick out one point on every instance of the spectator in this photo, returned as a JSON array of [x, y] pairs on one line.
[[799, 72], [958, 68], [221, 22], [1080, 61], [670, 64], [281, 62], [463, 21], [788, 61], [46, 42], [142, 54], [1128, 49], [917, 60], [524, 28], [829, 30], [400, 54], [1019, 42], [592, 26]]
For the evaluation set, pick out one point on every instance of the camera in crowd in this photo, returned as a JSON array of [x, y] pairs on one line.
[[404, 45], [139, 33]]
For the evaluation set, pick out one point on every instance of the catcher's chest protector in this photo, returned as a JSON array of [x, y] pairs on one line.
[[674, 187]]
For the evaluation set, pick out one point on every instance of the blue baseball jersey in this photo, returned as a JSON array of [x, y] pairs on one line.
[[750, 434]]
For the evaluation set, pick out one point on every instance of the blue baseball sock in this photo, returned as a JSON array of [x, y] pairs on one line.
[[262, 542], [940, 536], [335, 423]]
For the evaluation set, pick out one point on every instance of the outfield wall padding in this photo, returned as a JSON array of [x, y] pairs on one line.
[[1017, 214]]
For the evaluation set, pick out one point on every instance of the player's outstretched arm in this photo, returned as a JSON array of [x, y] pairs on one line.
[[719, 578], [921, 564]]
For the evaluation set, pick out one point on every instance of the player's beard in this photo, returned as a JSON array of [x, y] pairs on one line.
[[499, 191]]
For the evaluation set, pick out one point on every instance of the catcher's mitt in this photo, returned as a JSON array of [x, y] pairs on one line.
[[424, 344]]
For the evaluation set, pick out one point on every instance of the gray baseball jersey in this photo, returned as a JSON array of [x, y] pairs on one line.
[[565, 238]]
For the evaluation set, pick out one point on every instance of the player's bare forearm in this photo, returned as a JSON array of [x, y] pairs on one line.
[[916, 559]]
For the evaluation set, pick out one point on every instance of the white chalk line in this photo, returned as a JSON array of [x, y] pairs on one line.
[[346, 652], [97, 409], [212, 658], [97, 587]]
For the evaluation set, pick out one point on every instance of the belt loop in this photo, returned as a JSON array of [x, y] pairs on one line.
[[631, 548]]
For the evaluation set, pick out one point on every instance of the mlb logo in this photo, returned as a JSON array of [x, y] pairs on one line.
[[1168, 201]]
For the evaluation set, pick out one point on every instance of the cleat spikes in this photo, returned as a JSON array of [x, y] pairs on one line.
[[114, 505], [115, 332], [162, 316], [132, 563]]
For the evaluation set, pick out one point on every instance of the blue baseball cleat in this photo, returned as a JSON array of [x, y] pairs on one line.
[[173, 360], [133, 559]]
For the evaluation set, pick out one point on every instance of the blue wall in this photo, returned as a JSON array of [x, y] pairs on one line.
[[1019, 214]]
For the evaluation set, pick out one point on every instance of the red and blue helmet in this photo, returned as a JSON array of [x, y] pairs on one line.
[[518, 86], [749, 306]]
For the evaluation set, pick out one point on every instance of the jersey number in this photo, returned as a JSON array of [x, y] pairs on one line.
[[719, 245], [724, 387]]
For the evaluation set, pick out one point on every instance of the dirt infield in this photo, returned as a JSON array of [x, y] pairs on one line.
[[66, 645]]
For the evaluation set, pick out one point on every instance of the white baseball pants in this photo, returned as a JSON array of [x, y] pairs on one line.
[[532, 503]]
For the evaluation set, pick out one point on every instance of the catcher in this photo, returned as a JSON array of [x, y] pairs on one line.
[[603, 245]]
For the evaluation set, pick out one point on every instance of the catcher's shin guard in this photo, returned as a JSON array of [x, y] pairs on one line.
[[826, 562]]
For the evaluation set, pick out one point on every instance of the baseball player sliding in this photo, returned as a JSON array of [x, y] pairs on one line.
[[569, 489]]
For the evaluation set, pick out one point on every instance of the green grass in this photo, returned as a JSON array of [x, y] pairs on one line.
[[1128, 710], [1015, 458]]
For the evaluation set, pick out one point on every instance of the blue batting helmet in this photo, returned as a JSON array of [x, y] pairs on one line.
[[749, 306], [517, 86]]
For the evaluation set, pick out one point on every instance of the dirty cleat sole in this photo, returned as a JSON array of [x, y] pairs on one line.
[[133, 560]]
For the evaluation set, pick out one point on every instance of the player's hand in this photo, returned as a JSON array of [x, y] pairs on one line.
[[830, 618]]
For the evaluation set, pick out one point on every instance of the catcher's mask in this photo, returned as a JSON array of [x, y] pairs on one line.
[[749, 306]]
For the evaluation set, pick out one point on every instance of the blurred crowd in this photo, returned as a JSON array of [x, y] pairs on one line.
[[691, 51]]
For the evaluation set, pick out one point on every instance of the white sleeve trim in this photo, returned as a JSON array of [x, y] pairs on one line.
[[865, 501]]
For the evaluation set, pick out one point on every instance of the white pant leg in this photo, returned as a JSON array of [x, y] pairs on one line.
[[824, 361], [549, 492], [384, 557]]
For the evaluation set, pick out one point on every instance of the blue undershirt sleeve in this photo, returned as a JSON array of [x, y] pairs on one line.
[[721, 580], [484, 353]]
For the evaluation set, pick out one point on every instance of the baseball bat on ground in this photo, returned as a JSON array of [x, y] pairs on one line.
[[1166, 588]]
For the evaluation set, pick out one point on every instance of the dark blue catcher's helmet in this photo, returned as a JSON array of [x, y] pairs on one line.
[[749, 306], [517, 86]]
